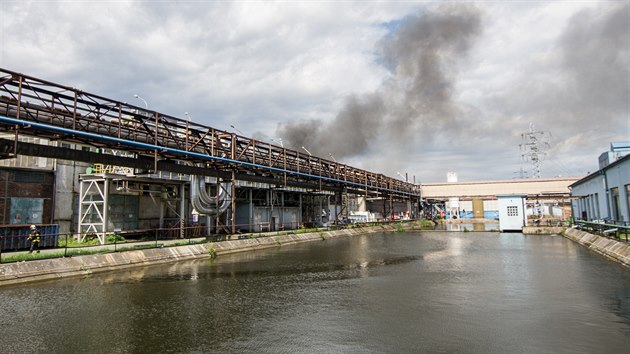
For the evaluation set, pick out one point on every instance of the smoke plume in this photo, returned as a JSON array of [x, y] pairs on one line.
[[421, 56], [595, 54]]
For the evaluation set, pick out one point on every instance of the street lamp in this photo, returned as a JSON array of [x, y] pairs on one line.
[[401, 176], [146, 105], [235, 128], [309, 153], [331, 156], [187, 128], [278, 140]]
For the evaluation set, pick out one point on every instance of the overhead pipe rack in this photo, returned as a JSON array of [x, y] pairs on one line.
[[35, 107]]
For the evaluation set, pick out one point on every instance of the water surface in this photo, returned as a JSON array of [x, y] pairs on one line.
[[435, 292]]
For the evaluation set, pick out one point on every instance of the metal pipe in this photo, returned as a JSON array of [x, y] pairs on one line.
[[223, 197], [196, 201], [202, 191]]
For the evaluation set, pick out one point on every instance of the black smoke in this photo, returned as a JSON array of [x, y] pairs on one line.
[[422, 56]]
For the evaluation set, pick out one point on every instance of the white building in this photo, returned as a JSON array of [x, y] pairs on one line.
[[511, 212]]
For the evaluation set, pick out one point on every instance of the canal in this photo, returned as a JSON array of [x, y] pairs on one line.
[[432, 292]]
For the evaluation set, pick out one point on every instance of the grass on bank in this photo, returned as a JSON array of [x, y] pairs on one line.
[[12, 258], [74, 247], [70, 241], [69, 246]]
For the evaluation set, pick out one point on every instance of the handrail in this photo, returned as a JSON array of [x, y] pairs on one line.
[[605, 229]]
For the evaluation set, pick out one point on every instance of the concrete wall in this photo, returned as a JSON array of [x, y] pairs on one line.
[[149, 211], [67, 194], [22, 272], [618, 251], [543, 230]]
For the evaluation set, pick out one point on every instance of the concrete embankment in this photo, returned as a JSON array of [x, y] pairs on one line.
[[616, 250], [543, 230], [21, 272]]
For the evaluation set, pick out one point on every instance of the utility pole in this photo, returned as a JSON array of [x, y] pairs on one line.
[[534, 145], [521, 173]]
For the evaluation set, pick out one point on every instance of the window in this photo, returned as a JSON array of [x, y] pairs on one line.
[[512, 211], [27, 210], [614, 195], [597, 211], [29, 177]]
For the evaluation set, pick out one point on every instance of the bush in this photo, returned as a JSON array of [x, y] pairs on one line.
[[427, 224], [70, 241], [114, 238]]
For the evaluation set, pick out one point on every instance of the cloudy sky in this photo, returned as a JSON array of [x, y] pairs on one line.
[[411, 87]]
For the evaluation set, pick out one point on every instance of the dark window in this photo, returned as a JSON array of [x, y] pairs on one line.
[[614, 194], [29, 177]]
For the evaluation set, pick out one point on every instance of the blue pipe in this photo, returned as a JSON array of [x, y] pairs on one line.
[[181, 152]]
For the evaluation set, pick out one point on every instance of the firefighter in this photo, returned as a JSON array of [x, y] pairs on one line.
[[33, 238]]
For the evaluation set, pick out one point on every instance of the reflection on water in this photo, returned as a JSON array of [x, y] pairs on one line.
[[409, 292], [468, 227]]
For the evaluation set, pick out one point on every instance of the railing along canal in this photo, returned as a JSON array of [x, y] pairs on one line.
[[610, 228], [58, 245]]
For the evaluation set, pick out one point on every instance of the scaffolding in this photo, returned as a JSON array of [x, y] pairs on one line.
[[93, 207]]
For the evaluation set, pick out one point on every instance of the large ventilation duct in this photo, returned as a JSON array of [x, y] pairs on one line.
[[206, 204]]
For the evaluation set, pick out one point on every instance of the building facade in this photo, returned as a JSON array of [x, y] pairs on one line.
[[604, 194], [544, 197]]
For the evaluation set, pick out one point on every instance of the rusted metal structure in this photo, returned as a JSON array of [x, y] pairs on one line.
[[35, 107]]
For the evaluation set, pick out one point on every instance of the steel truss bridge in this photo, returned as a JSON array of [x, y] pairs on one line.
[[35, 107]]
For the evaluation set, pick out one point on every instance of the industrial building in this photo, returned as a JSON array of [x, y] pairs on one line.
[[605, 194], [96, 166], [547, 198]]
